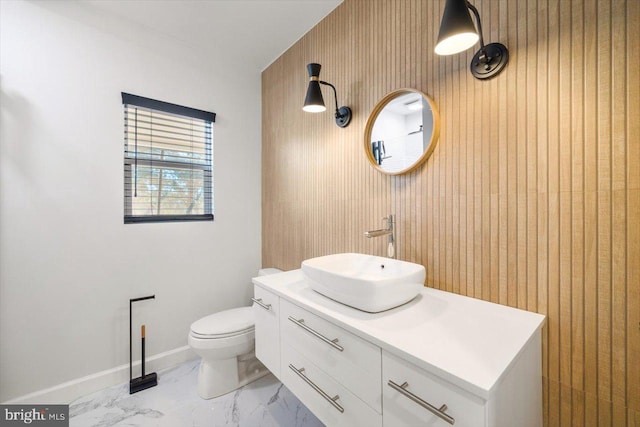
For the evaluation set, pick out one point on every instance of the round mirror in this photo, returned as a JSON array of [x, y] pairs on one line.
[[402, 131]]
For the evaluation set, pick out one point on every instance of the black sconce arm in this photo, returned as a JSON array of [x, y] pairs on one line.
[[335, 96], [343, 114], [490, 59], [478, 24]]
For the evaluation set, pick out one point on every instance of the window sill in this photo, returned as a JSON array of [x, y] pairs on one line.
[[167, 218]]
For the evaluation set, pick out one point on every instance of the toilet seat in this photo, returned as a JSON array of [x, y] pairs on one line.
[[219, 336], [224, 324], [223, 348]]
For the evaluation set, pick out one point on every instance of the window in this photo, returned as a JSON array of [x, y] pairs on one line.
[[167, 161]]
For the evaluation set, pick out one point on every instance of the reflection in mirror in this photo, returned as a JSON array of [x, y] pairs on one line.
[[401, 131]]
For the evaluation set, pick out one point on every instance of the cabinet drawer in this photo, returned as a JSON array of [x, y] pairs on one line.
[[316, 389], [266, 311], [352, 361], [400, 410]]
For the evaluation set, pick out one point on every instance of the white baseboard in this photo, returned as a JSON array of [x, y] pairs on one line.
[[67, 392]]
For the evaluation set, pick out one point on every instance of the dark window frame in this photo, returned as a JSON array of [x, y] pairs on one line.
[[129, 100]]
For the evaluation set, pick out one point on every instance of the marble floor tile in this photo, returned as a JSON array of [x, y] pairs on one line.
[[175, 402]]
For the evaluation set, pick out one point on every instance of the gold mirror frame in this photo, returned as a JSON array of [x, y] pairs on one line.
[[435, 133]]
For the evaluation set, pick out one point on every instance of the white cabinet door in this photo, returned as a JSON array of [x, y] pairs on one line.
[[266, 309], [324, 395], [407, 407], [346, 357]]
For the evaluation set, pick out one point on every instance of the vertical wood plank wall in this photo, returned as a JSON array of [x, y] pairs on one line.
[[531, 198]]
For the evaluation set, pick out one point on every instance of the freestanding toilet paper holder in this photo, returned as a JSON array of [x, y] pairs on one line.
[[142, 382]]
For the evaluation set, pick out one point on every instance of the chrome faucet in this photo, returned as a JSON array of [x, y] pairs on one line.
[[388, 231]]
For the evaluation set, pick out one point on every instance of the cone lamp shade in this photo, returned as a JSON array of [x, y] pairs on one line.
[[313, 102], [457, 32]]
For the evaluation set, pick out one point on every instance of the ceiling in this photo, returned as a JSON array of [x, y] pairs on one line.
[[399, 104], [253, 32]]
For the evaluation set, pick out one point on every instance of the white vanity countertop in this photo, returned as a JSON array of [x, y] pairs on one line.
[[466, 341]]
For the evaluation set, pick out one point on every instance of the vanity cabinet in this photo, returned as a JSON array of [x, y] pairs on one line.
[[440, 360], [266, 308]]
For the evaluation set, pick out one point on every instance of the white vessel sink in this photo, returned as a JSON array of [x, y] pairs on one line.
[[366, 282]]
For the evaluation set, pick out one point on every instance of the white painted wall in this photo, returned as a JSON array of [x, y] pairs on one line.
[[68, 264]]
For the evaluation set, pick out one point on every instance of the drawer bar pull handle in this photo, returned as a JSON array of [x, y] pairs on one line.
[[333, 343], [328, 398], [439, 412], [261, 304]]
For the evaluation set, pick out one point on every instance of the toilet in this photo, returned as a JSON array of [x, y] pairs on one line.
[[226, 343]]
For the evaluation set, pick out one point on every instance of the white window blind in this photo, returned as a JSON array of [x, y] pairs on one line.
[[167, 161]]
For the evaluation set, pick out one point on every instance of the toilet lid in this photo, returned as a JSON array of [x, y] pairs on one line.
[[225, 323]]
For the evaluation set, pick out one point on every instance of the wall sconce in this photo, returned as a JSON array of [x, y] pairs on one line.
[[314, 103], [457, 33]]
